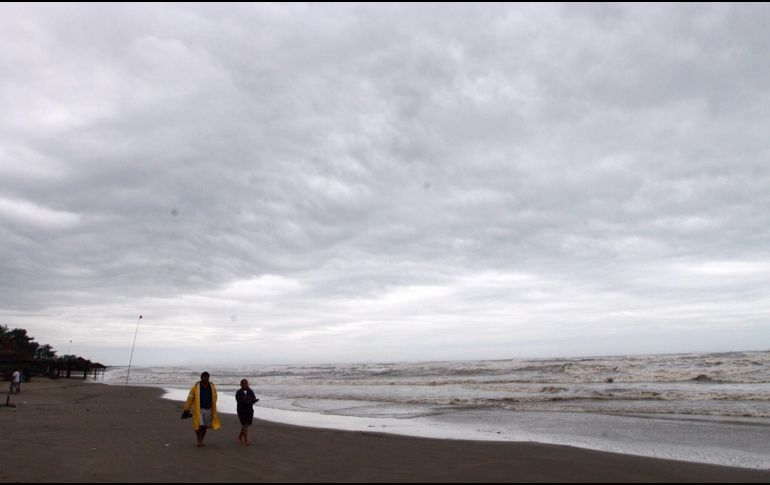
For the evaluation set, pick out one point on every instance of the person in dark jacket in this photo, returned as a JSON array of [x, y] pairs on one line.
[[246, 399]]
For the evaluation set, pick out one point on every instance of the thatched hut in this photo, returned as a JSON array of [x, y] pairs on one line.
[[65, 368]]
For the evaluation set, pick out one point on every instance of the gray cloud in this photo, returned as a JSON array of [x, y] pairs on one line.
[[385, 182]]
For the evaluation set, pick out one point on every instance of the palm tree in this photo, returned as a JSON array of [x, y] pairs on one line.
[[23, 342], [45, 352]]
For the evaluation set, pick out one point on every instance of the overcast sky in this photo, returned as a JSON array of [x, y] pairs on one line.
[[316, 183]]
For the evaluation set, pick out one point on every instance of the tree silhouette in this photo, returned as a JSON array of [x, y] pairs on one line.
[[22, 342], [45, 352]]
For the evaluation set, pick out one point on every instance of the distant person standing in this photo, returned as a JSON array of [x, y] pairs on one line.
[[202, 404], [16, 381], [246, 400]]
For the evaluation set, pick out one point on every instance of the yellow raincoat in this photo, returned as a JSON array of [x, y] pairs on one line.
[[193, 404]]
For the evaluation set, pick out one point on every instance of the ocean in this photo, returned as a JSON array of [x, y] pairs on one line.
[[709, 408]]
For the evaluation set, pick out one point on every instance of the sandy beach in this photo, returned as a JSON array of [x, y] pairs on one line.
[[71, 431]]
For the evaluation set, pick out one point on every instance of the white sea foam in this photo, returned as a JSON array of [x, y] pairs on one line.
[[730, 384]]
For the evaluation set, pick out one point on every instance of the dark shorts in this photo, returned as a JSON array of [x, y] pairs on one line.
[[246, 417]]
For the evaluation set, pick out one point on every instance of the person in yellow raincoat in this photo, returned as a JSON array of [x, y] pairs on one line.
[[202, 404]]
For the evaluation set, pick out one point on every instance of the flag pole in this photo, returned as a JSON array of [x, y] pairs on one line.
[[132, 348]]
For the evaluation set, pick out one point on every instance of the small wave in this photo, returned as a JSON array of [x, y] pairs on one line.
[[703, 378], [553, 389]]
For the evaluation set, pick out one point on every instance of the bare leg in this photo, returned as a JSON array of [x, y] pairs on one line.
[[201, 433]]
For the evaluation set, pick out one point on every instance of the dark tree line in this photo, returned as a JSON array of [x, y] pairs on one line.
[[18, 340]]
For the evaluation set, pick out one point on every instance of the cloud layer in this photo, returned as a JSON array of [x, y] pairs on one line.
[[400, 182]]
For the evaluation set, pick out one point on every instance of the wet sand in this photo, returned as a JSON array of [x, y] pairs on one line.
[[71, 431]]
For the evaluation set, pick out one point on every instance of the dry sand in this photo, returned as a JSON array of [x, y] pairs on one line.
[[71, 431]]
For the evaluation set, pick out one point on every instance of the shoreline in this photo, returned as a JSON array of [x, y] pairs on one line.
[[634, 435], [89, 432]]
